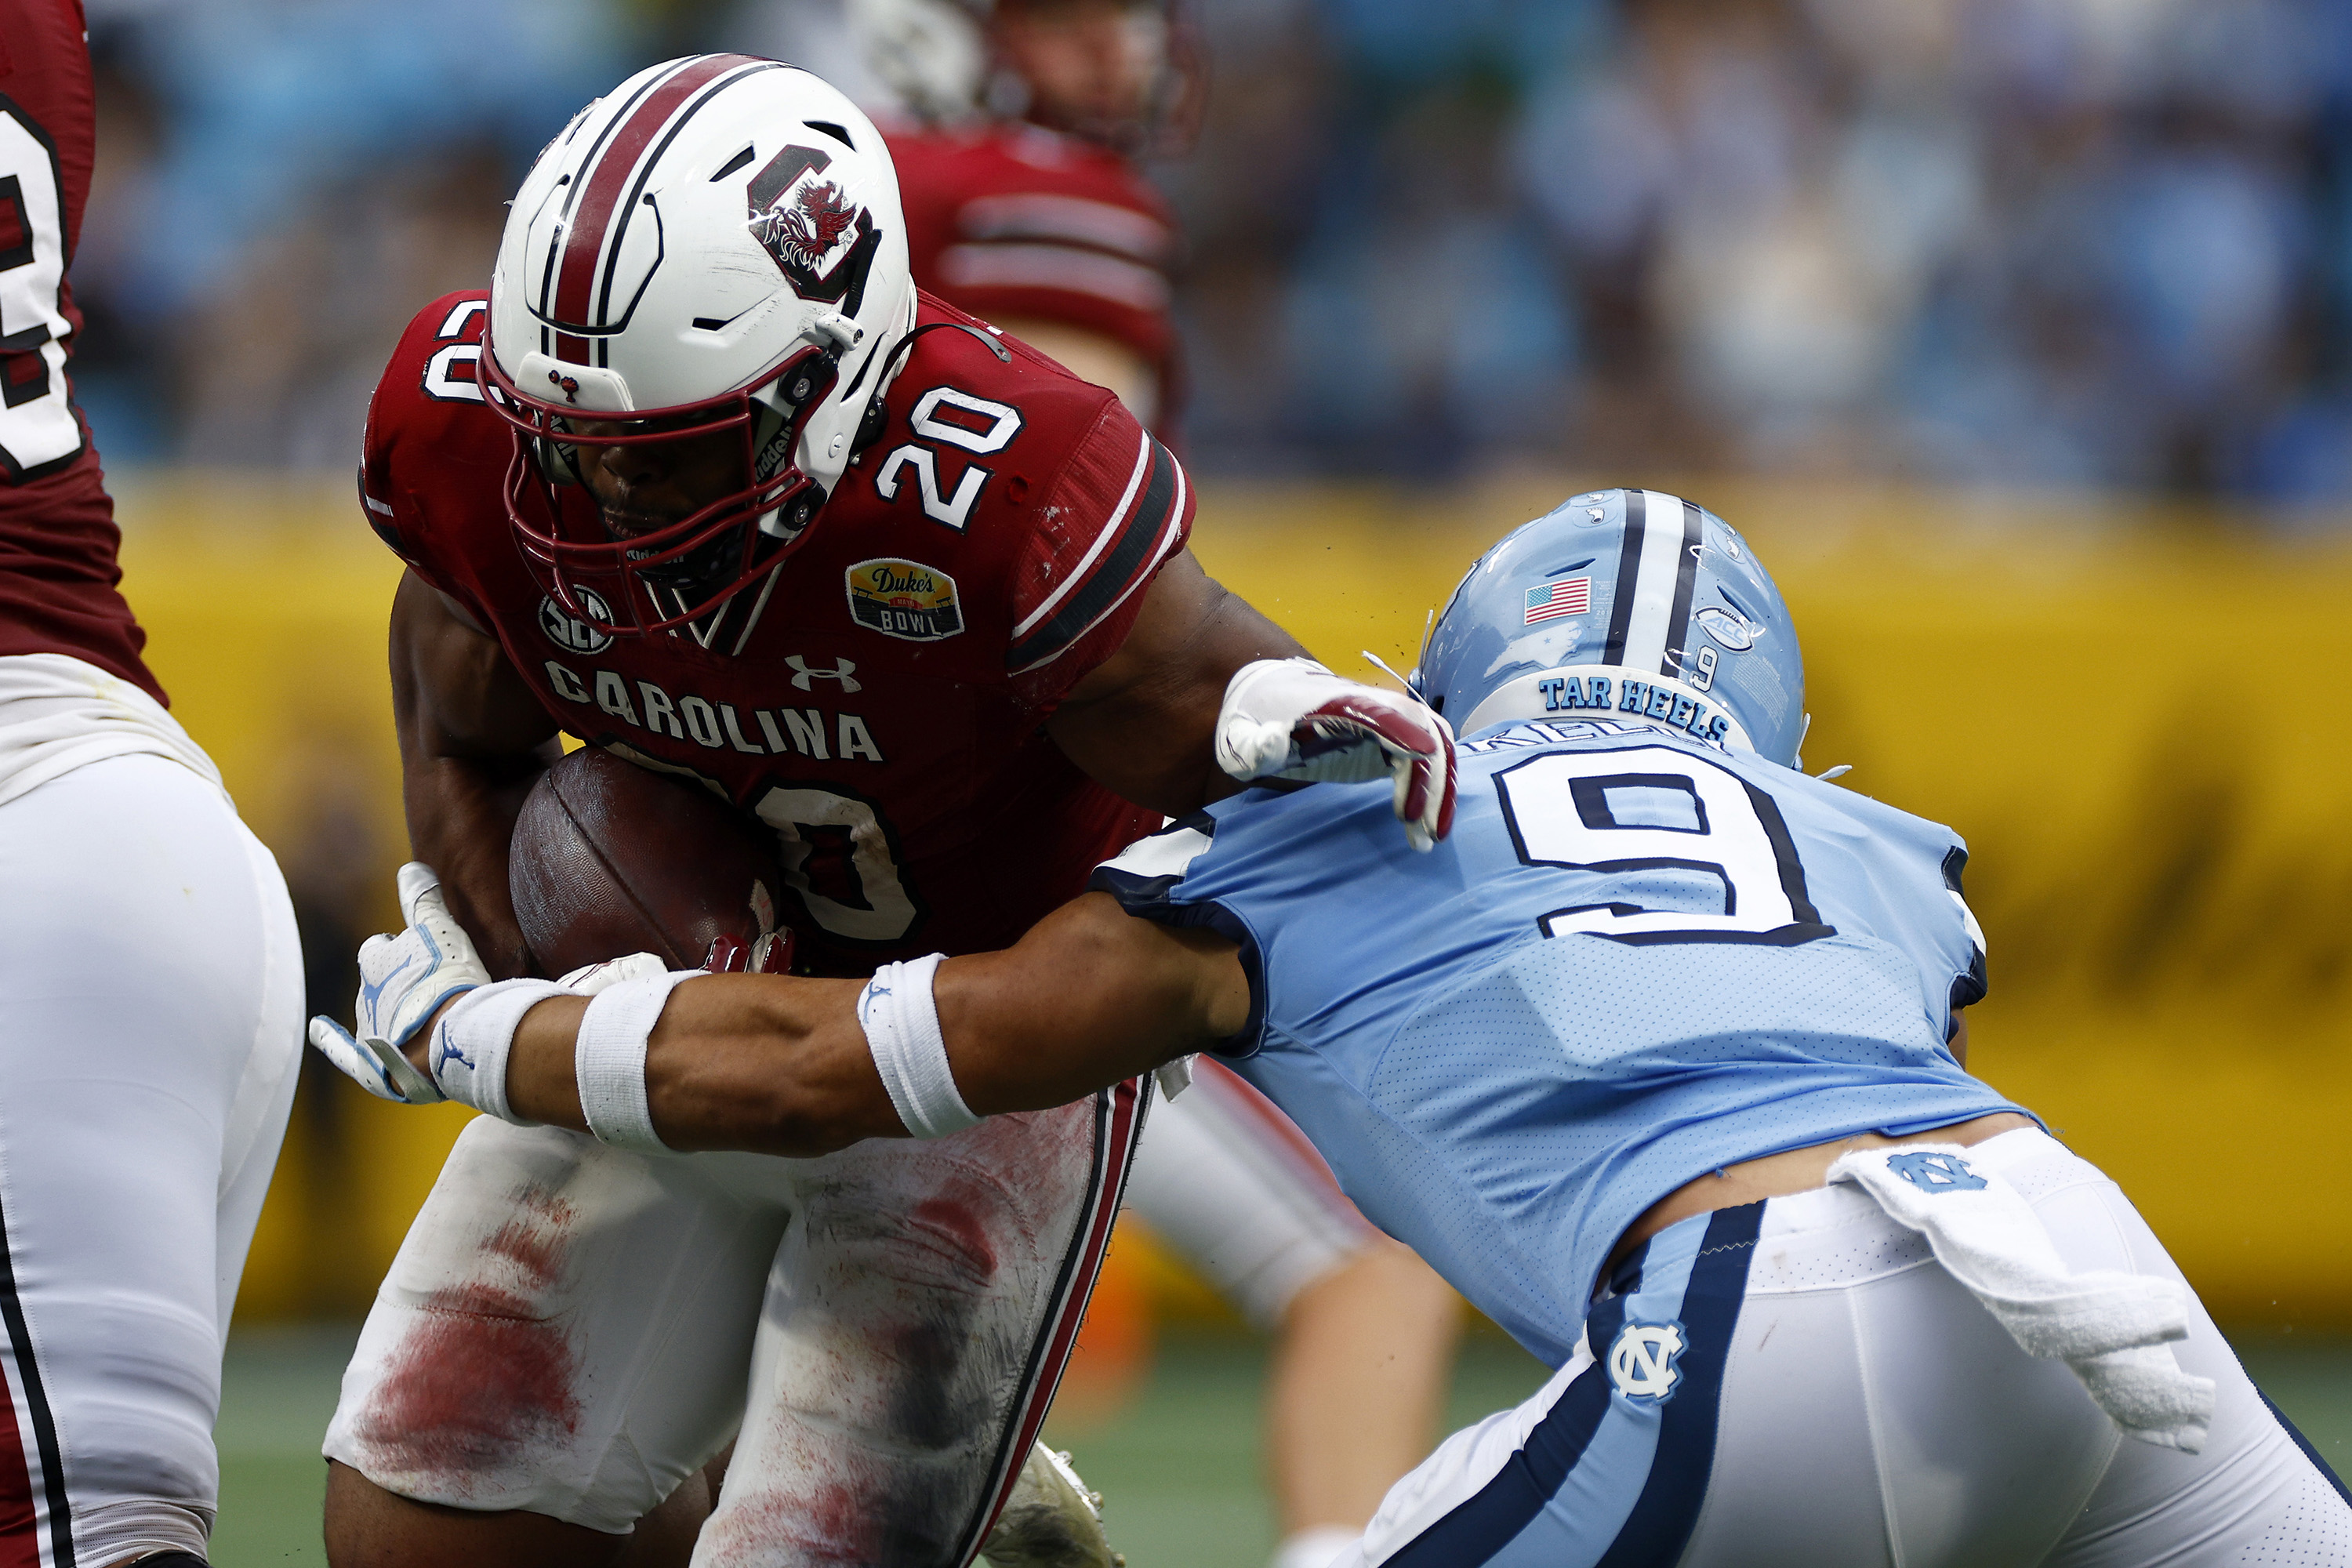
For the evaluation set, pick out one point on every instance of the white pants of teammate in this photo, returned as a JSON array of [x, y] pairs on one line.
[[1839, 1401], [572, 1330], [1226, 1179], [150, 1007]]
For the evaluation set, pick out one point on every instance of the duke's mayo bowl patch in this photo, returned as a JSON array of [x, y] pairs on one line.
[[904, 599]]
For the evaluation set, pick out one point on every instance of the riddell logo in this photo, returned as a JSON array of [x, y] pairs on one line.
[[820, 238], [566, 630]]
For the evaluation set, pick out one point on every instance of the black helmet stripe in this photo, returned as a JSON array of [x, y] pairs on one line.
[[1678, 618], [1649, 614], [1629, 577]]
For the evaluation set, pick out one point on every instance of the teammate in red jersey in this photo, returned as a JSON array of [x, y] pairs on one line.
[[707, 481], [1058, 242], [1042, 222], [145, 1100], [1046, 224]]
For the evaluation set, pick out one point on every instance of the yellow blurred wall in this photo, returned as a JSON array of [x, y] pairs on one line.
[[2131, 713]]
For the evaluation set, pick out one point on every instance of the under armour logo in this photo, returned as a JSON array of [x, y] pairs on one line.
[[570, 384], [1641, 1361], [1936, 1173], [804, 678]]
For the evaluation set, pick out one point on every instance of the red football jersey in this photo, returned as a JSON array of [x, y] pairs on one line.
[[58, 538], [884, 715], [1009, 221]]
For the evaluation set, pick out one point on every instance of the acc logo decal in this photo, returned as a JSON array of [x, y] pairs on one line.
[[1642, 1360], [566, 630], [904, 599], [1936, 1173], [1727, 628]]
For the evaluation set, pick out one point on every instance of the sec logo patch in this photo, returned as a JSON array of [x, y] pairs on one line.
[[904, 599], [566, 630]]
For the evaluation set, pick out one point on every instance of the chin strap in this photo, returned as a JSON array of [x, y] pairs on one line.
[[869, 429]]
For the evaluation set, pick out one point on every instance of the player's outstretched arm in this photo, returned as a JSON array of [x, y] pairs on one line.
[[1143, 722], [472, 739], [783, 1066], [1206, 695]]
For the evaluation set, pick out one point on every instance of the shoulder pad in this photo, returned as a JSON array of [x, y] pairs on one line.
[[429, 433]]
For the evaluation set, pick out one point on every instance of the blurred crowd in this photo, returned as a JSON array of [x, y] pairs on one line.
[[2037, 242]]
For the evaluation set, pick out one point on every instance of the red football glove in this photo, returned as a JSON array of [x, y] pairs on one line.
[[1293, 719]]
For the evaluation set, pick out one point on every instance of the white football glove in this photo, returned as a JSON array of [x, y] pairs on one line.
[[403, 981], [1293, 719]]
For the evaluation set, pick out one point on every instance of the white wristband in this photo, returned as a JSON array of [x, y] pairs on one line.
[[609, 1061], [902, 1030], [474, 1039]]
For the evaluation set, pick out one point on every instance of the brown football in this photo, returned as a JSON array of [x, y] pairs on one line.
[[610, 858]]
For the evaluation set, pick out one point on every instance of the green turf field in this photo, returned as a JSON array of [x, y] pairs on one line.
[[1180, 1467]]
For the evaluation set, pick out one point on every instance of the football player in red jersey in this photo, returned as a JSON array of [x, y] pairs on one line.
[[1042, 224], [1045, 224], [145, 1100], [706, 480]]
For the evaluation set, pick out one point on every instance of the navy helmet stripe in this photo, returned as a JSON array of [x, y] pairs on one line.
[[1629, 578], [1678, 618], [1657, 566], [1655, 1532]]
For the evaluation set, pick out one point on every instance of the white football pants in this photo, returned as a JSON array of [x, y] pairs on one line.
[[151, 1014], [572, 1330], [1806, 1387]]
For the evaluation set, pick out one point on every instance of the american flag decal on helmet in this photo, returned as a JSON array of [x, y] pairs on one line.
[[1550, 601]]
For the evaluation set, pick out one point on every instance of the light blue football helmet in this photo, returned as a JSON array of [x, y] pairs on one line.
[[1621, 603]]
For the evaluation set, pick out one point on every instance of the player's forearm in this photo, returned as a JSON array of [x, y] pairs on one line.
[[473, 740], [776, 1065], [461, 815], [1143, 722], [1091, 996], [762, 1063]]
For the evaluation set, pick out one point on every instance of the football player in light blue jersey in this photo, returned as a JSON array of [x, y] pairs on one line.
[[1658, 1057]]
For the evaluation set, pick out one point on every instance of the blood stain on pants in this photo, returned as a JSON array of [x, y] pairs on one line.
[[483, 1370]]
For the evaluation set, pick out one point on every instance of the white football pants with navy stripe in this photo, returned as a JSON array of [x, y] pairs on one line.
[[151, 1014], [1798, 1383]]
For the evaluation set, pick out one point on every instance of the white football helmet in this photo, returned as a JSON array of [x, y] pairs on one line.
[[946, 64], [933, 54], [715, 245]]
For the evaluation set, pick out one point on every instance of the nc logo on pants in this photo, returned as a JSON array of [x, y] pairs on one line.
[[1642, 1360], [1936, 1173]]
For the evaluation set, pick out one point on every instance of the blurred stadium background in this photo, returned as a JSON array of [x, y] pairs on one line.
[[2017, 332]]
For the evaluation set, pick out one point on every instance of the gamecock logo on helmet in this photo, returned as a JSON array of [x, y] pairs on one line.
[[822, 242], [809, 230]]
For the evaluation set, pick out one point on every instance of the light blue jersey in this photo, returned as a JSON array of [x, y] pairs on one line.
[[1636, 960]]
